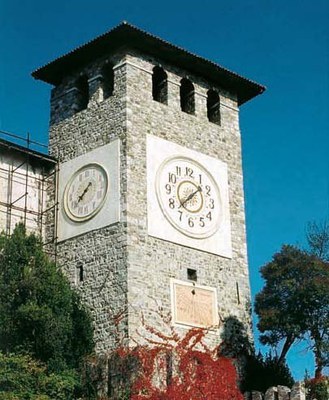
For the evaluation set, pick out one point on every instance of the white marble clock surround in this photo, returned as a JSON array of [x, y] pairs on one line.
[[218, 243], [108, 157]]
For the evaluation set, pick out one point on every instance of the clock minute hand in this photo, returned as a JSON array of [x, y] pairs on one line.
[[84, 192], [190, 196]]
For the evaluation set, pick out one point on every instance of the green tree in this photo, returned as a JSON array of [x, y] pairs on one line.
[[294, 302], [39, 313], [22, 378], [317, 388], [317, 235], [261, 373]]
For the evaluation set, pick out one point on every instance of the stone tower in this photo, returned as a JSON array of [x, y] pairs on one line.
[[151, 215]]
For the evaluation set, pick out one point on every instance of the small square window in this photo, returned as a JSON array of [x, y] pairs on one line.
[[192, 274]]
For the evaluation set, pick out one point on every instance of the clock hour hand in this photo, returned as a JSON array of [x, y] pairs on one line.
[[84, 192], [190, 196]]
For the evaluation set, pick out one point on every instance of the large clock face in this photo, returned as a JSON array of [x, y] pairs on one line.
[[189, 197], [85, 192]]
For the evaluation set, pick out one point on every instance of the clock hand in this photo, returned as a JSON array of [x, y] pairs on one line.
[[84, 192], [190, 196]]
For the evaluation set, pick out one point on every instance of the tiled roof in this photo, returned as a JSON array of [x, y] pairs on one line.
[[129, 36]]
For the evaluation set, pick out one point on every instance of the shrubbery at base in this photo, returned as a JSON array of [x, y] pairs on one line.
[[22, 377]]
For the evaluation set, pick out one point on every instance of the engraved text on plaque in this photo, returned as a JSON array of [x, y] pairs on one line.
[[194, 305]]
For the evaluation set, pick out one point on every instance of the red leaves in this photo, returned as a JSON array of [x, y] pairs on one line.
[[207, 377], [185, 370]]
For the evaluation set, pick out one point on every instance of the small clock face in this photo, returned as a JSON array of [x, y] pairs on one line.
[[85, 192], [189, 197]]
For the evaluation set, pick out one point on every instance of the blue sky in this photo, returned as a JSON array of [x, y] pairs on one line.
[[281, 44]]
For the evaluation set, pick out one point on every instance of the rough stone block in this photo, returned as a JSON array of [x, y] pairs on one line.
[[298, 391], [271, 394], [283, 393], [256, 396]]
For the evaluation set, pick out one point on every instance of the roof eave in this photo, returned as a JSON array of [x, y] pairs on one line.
[[132, 37], [29, 152]]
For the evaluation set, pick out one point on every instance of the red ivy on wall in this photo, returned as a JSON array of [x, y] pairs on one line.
[[174, 368]]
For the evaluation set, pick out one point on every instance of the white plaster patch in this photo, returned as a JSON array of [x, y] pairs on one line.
[[204, 225], [107, 157]]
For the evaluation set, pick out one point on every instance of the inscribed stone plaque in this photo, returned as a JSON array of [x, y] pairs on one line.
[[194, 305]]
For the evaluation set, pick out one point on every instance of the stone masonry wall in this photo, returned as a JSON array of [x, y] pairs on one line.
[[125, 269], [103, 252], [151, 261], [297, 392]]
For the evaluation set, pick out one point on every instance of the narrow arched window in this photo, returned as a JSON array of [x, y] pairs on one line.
[[108, 81], [159, 85], [187, 101], [82, 97], [213, 107]]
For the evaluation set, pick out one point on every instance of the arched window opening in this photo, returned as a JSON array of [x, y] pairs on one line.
[[159, 85], [82, 98], [108, 81], [187, 101], [213, 107]]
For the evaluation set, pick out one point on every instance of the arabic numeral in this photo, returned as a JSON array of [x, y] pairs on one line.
[[171, 203], [211, 203], [178, 170], [180, 215], [172, 177], [168, 188], [190, 222], [189, 172], [208, 188], [201, 223], [209, 215]]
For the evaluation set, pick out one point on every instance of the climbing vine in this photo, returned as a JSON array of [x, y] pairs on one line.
[[171, 367]]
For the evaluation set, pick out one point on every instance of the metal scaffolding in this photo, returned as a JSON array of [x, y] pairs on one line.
[[28, 188]]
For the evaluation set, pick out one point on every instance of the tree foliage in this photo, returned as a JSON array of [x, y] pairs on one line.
[[317, 388], [261, 373], [294, 303], [317, 235], [21, 377], [39, 312]]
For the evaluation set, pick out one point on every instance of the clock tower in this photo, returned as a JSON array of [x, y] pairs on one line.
[[150, 217]]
